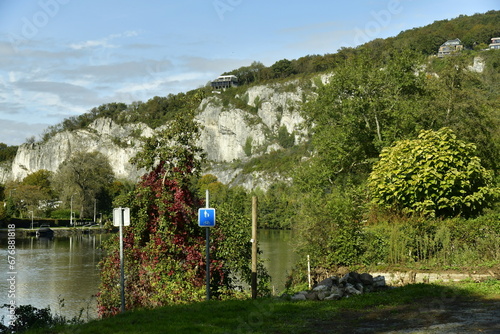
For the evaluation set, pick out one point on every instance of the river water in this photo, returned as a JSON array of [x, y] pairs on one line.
[[278, 255], [61, 273], [66, 268]]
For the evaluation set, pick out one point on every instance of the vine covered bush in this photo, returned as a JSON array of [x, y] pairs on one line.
[[164, 248]]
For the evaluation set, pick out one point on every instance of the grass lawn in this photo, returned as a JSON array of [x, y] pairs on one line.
[[416, 305]]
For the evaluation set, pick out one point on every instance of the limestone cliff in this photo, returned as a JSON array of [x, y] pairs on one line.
[[228, 134], [226, 130], [103, 135]]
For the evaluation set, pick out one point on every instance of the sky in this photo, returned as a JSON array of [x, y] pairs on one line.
[[61, 58]]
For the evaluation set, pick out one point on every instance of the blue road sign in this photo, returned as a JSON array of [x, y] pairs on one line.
[[206, 217]]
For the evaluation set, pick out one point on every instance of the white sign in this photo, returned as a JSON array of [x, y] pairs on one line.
[[117, 216]]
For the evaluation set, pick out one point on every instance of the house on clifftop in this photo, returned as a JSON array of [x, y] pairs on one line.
[[495, 43], [225, 81], [450, 47]]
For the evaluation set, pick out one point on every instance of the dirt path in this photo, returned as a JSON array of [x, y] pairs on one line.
[[436, 316]]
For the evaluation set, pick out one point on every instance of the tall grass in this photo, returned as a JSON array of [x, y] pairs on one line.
[[445, 243]]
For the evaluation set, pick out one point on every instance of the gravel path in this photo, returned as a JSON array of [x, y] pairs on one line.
[[434, 316]]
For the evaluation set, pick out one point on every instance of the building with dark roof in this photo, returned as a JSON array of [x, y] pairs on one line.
[[450, 47], [225, 81]]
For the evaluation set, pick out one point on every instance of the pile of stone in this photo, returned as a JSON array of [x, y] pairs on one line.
[[334, 288]]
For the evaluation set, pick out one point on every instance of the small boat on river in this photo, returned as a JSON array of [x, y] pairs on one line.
[[45, 231]]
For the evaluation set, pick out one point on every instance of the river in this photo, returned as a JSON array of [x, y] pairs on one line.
[[61, 273], [278, 255], [65, 269]]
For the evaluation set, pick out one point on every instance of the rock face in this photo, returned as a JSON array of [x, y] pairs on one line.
[[478, 65], [227, 130], [105, 136], [225, 133], [228, 134]]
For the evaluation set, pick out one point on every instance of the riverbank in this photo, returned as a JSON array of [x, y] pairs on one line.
[[58, 231], [416, 308]]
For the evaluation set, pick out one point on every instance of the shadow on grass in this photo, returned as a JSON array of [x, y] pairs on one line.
[[418, 306]]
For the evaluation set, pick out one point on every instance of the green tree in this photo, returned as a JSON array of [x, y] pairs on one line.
[[363, 108], [248, 74], [277, 207], [41, 179], [22, 198], [3, 212], [217, 190], [329, 226], [122, 192], [282, 68], [435, 175], [9, 191], [465, 102], [7, 153], [83, 177], [248, 146], [36, 189]]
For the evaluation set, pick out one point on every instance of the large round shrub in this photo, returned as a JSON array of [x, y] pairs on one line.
[[434, 175]]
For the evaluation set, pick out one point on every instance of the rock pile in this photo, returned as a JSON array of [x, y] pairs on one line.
[[334, 288]]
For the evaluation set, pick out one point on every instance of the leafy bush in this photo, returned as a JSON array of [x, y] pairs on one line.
[[28, 317], [285, 139], [62, 214], [330, 227], [436, 175]]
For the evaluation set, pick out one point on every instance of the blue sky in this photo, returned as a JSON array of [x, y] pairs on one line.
[[61, 58]]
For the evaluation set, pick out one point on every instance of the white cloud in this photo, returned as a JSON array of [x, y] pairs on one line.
[[90, 44], [119, 72], [103, 42]]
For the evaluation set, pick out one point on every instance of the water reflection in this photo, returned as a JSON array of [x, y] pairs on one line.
[[278, 255], [52, 270]]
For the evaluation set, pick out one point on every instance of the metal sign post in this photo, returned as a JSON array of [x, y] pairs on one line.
[[121, 217], [206, 218], [254, 248]]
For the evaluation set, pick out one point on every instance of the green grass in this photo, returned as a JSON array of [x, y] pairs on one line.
[[283, 316]]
